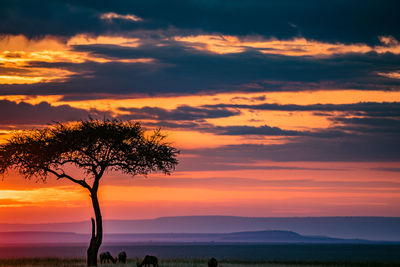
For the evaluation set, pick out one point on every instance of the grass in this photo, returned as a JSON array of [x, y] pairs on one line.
[[60, 262]]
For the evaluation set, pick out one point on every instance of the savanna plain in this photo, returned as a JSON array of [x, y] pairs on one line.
[[228, 255], [64, 262]]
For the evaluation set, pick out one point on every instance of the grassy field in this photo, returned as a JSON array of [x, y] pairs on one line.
[[54, 262], [237, 252], [195, 255]]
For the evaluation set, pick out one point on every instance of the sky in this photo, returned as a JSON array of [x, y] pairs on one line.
[[279, 108]]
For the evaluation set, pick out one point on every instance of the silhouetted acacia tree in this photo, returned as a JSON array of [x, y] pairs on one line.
[[93, 146]]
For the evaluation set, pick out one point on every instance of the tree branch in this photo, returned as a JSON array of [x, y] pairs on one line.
[[63, 175]]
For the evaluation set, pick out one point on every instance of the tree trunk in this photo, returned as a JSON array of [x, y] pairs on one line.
[[97, 232]]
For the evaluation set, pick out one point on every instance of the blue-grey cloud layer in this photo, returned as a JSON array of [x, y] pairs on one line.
[[366, 138], [343, 21], [361, 132], [183, 70]]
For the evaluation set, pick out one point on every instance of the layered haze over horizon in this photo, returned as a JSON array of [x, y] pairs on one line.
[[279, 108]]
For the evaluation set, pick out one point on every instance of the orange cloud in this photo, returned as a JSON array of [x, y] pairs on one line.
[[37, 75], [223, 44], [18, 53], [392, 75], [32, 99], [113, 103], [85, 39]]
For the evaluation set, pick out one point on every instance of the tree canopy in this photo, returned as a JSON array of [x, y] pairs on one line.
[[93, 146]]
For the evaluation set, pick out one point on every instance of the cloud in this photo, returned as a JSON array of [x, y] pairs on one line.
[[361, 132], [251, 99], [386, 169], [312, 19], [214, 163], [225, 183], [24, 61], [180, 113], [384, 123], [177, 70], [9, 202], [252, 130], [293, 47], [111, 16], [12, 113], [39, 196], [149, 59], [168, 52], [356, 149], [384, 109], [86, 39], [351, 139]]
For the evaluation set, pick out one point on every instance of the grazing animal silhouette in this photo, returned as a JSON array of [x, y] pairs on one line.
[[213, 262], [148, 261], [122, 257], [106, 257]]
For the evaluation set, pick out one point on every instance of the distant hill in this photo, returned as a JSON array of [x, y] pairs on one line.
[[370, 228], [239, 237]]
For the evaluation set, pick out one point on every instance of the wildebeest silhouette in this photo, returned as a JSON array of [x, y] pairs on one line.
[[213, 262], [148, 261], [106, 257], [122, 257]]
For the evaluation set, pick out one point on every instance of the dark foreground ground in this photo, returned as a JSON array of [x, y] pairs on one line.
[[183, 255], [55, 262]]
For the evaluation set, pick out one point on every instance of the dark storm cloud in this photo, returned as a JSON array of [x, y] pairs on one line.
[[178, 114], [343, 21], [12, 113]]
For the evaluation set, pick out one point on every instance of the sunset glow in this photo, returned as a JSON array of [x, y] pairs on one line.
[[273, 117]]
